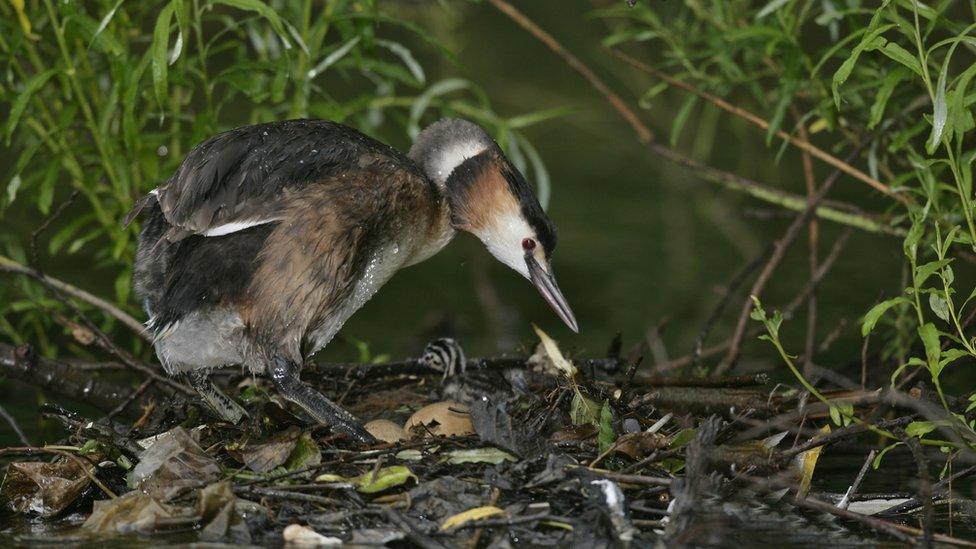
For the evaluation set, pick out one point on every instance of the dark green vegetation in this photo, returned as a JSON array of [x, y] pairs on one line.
[[816, 154]]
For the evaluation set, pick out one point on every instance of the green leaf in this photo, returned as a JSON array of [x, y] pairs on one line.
[[159, 49], [940, 111], [903, 56], [961, 117], [786, 92], [333, 57], [103, 24], [682, 438], [423, 100], [930, 338], [923, 272], [770, 7], [17, 108], [872, 316], [835, 416], [406, 56], [681, 117], [306, 454], [891, 81], [268, 13], [877, 460], [605, 437], [871, 40], [12, 186], [919, 428], [532, 118], [939, 306], [384, 479]]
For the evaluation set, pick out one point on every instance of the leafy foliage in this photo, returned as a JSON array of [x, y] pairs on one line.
[[893, 81], [106, 97]]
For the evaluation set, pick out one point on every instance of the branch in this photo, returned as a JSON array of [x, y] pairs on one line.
[[645, 136], [11, 266], [62, 378], [802, 144]]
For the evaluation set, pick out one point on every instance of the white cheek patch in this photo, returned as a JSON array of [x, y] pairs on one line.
[[235, 226], [453, 156], [504, 240]]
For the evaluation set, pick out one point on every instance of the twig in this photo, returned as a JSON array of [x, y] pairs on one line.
[[719, 309], [415, 535], [284, 495], [788, 310], [645, 136], [841, 434], [491, 523], [135, 394], [775, 259], [802, 144], [642, 480], [59, 377], [728, 382], [924, 486], [35, 263], [12, 421], [903, 533], [11, 266], [937, 489], [812, 243], [643, 132], [476, 537], [846, 500]]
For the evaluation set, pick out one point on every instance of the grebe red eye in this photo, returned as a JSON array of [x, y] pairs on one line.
[[528, 244]]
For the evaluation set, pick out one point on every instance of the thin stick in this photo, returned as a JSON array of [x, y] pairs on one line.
[[788, 310], [645, 136], [812, 242], [800, 143], [719, 309], [937, 489], [626, 479], [924, 486], [135, 394], [47, 223], [643, 132], [846, 500], [775, 259], [11, 266], [14, 425]]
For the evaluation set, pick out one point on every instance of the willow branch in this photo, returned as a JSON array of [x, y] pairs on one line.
[[646, 138], [10, 266], [800, 143]]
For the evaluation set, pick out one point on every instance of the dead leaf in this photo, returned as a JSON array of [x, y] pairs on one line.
[[173, 463], [262, 458], [133, 512], [807, 462], [43, 488], [225, 515], [638, 445], [575, 432], [480, 455], [296, 534], [478, 513], [554, 354]]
